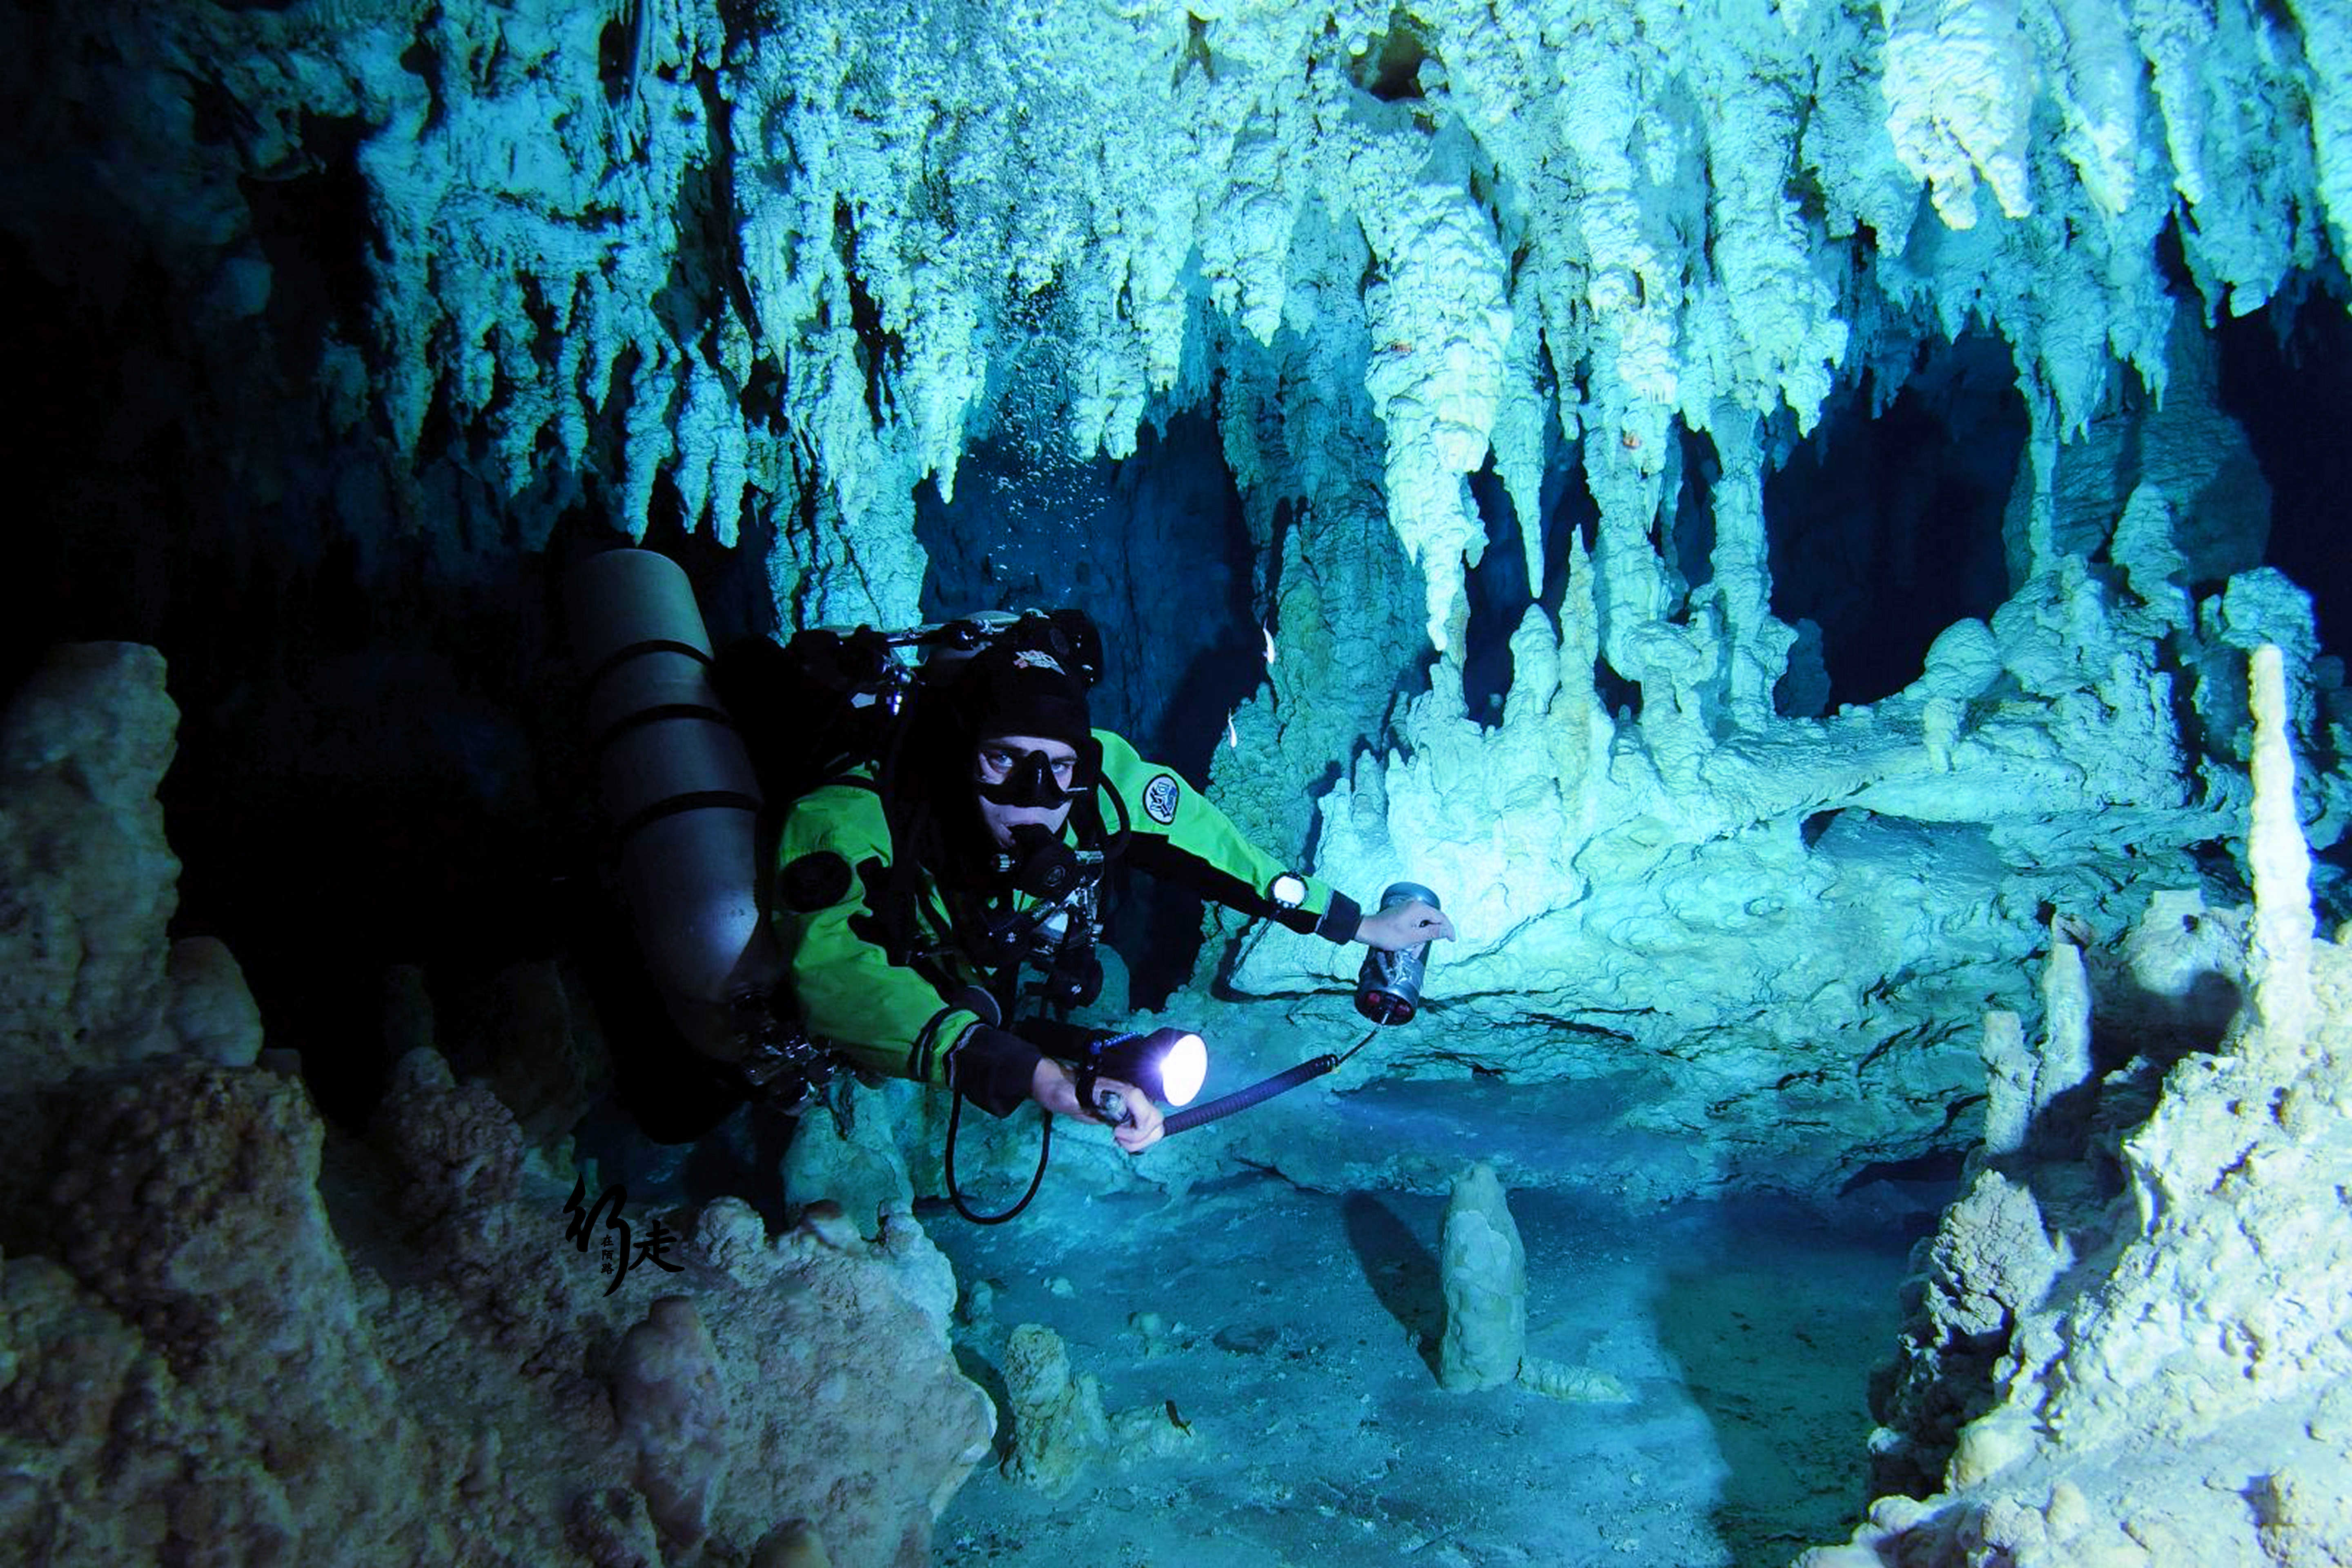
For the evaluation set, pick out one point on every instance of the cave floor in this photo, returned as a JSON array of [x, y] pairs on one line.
[[1289, 1381]]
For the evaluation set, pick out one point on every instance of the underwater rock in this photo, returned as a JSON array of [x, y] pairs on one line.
[[1990, 1263], [87, 884], [187, 1200], [456, 1155], [1484, 1270], [609, 1528], [850, 1158], [1059, 1425], [229, 1333], [2278, 948], [2177, 976], [2009, 1082], [1572, 1385], [202, 1316], [849, 1411], [793, 1544], [2063, 1056], [671, 1407], [212, 1012], [2161, 1374], [923, 1273]]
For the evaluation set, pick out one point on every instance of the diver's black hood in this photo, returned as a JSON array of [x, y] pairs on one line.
[[1007, 690]]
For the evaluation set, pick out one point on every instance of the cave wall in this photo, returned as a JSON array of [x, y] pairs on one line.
[[2126, 1343], [233, 1330], [382, 307]]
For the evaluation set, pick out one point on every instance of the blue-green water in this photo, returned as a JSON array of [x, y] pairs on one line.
[[1294, 1339]]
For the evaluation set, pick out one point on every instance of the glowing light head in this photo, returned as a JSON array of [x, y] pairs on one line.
[[1183, 1068]]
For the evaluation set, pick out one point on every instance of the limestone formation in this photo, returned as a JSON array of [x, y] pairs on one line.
[[1489, 210], [1484, 1269], [2130, 1345], [847, 1408], [2064, 1054], [1579, 277], [845, 1152], [1572, 1385], [2279, 948], [1501, 329], [793, 1544], [212, 1012], [669, 1403], [2009, 1083], [230, 1334], [90, 882], [1058, 1425]]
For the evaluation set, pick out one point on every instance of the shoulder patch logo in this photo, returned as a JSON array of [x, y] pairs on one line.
[[1031, 658], [1160, 797]]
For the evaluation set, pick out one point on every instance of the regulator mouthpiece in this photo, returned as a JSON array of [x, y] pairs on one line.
[[1041, 864], [1388, 987]]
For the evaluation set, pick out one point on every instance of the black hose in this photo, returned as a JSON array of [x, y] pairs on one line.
[[1259, 1093], [1175, 1122], [955, 1193], [1255, 1094]]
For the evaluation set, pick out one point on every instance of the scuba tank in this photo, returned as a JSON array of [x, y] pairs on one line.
[[1388, 987], [681, 793]]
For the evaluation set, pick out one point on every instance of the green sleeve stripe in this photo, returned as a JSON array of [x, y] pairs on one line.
[[1180, 833]]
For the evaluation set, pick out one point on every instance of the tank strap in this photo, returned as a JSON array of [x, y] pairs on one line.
[[659, 714], [621, 655], [678, 805]]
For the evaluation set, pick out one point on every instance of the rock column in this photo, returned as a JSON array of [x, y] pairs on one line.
[[1486, 1279], [2281, 861]]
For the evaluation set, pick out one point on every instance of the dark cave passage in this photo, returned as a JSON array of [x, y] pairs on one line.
[[2292, 390], [1499, 594], [1886, 530], [1498, 589]]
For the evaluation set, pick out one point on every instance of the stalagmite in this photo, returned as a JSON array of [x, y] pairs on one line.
[[2009, 1083], [2281, 949], [2065, 1046], [1058, 1425], [669, 1404], [1486, 1273]]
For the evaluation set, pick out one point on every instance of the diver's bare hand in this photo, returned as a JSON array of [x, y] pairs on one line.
[[1052, 1086], [1404, 925], [1141, 1128]]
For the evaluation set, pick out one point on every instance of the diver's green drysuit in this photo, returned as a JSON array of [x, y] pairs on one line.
[[909, 1019]]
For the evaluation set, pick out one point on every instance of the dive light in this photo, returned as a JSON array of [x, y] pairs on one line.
[[1388, 987], [1168, 1064]]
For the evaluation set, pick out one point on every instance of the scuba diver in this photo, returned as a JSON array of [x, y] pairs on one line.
[[912, 895]]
